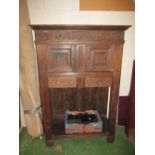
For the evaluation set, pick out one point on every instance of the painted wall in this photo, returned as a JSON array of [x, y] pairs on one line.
[[68, 12]]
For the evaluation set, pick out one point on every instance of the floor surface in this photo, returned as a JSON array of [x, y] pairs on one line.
[[84, 146]]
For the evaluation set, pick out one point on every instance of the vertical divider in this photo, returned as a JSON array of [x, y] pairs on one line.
[[94, 98], [58, 100], [73, 99], [70, 99], [62, 99], [83, 99]]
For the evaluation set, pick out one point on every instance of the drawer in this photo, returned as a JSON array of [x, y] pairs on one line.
[[73, 81], [98, 81], [62, 82]]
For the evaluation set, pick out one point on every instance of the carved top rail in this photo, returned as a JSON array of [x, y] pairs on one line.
[[80, 27], [77, 33]]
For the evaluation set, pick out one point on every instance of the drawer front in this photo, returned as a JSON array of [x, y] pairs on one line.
[[99, 58], [98, 81], [62, 82], [59, 58]]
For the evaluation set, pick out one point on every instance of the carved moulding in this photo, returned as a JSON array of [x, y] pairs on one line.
[[78, 35]]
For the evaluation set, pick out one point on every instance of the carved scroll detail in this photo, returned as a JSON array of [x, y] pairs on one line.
[[78, 35], [62, 82], [98, 82]]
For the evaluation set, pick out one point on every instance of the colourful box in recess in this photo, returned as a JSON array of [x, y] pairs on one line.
[[83, 122]]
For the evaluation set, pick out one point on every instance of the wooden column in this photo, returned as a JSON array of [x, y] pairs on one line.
[[45, 95], [29, 86], [117, 58]]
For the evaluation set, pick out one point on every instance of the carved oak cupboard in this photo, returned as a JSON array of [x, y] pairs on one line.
[[78, 56]]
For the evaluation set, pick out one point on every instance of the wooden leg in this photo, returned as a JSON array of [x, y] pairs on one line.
[[117, 58], [45, 95], [47, 116], [47, 119], [111, 133], [112, 115], [49, 141]]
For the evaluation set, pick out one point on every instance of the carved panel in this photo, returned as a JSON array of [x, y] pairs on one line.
[[59, 58], [99, 58], [98, 82], [62, 82], [79, 35]]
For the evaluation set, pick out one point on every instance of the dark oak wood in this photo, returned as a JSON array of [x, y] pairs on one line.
[[94, 98], [44, 94], [80, 27], [79, 57], [62, 99], [117, 59], [83, 99]]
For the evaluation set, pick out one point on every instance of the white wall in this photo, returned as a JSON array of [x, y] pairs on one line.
[[67, 12]]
